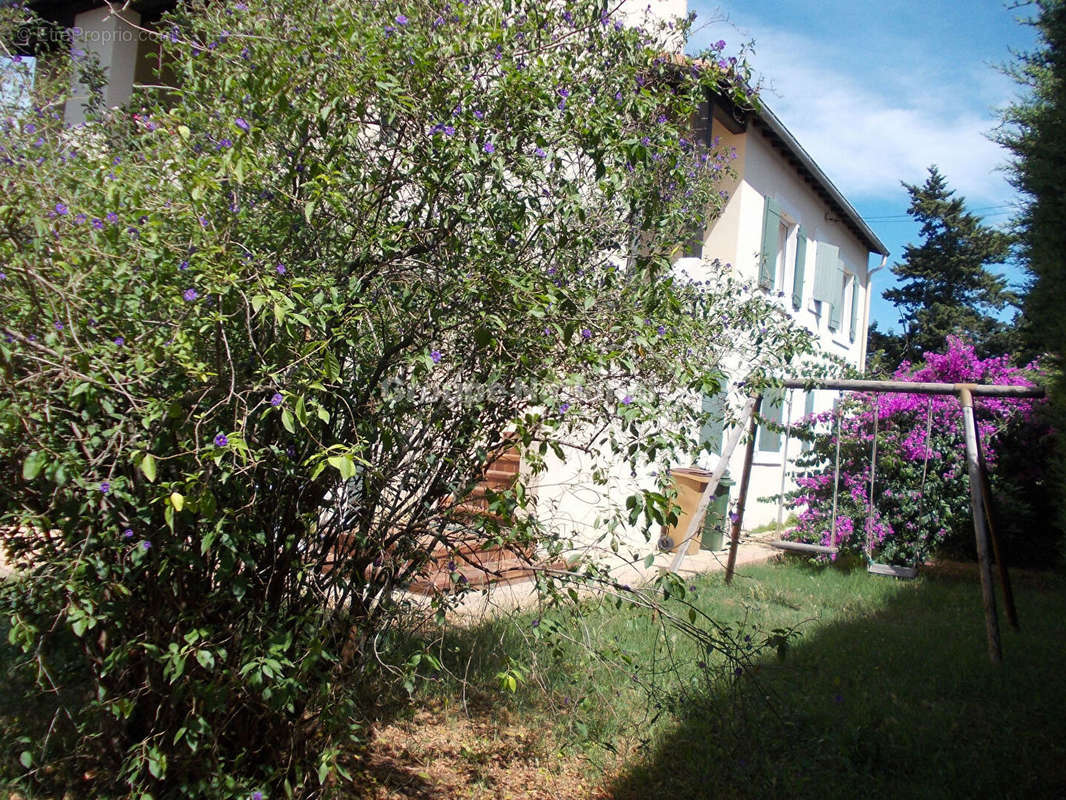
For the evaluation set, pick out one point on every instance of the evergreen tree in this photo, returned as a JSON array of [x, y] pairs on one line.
[[947, 287], [1035, 131]]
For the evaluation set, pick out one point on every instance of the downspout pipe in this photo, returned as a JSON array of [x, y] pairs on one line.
[[866, 311]]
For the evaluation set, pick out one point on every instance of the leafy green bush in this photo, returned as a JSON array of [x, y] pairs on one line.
[[261, 337]]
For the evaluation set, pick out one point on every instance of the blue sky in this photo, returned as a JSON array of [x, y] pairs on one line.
[[878, 91]]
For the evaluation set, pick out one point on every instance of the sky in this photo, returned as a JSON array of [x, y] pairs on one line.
[[877, 92]]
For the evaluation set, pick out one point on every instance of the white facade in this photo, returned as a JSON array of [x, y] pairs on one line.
[[787, 229]]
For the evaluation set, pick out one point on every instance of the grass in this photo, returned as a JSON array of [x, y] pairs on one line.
[[886, 691]]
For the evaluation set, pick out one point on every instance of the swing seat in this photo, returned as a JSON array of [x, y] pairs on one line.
[[803, 547]]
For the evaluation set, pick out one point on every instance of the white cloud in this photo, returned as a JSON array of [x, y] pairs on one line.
[[869, 130]]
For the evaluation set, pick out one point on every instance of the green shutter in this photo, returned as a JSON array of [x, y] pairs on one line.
[[797, 274], [854, 306], [837, 308], [770, 441], [808, 410], [825, 270], [711, 432], [771, 221]]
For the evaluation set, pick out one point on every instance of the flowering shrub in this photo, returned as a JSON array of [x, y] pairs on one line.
[[921, 490], [261, 337]]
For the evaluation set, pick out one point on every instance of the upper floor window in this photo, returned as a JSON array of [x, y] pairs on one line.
[[799, 268], [856, 298], [777, 241]]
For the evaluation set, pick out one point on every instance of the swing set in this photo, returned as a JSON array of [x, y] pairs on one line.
[[980, 497], [817, 549]]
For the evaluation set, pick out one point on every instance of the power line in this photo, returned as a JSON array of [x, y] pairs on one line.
[[970, 210]]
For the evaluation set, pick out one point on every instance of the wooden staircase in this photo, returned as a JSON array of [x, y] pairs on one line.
[[470, 563]]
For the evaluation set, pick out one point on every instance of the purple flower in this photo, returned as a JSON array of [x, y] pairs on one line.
[[241, 123], [111, 217], [280, 269], [564, 407], [479, 115], [119, 341], [79, 219], [539, 153], [190, 295], [586, 333], [105, 487], [184, 265], [3, 276], [627, 400], [128, 533], [401, 19], [221, 440], [489, 147], [59, 325], [203, 222], [662, 330], [225, 143], [720, 44], [146, 545], [257, 795], [435, 355], [61, 209], [277, 399], [98, 223], [563, 91]]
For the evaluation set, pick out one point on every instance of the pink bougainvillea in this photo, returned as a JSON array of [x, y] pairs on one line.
[[920, 486]]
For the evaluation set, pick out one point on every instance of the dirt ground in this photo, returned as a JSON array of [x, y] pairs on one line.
[[446, 754]]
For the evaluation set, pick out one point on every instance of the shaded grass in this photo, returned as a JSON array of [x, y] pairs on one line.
[[886, 690], [894, 696]]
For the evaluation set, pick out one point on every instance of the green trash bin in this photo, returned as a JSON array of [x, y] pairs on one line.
[[715, 523]]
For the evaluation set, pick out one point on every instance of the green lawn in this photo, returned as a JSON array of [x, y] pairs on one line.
[[886, 692]]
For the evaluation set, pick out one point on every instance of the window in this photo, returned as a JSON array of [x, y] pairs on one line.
[[16, 83], [769, 441], [798, 268], [855, 299], [775, 253], [836, 310], [808, 410], [773, 244], [712, 430], [826, 282]]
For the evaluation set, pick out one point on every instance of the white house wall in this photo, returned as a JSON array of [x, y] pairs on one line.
[[736, 238]]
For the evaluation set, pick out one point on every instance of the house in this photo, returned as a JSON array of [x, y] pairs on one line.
[[785, 229]]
